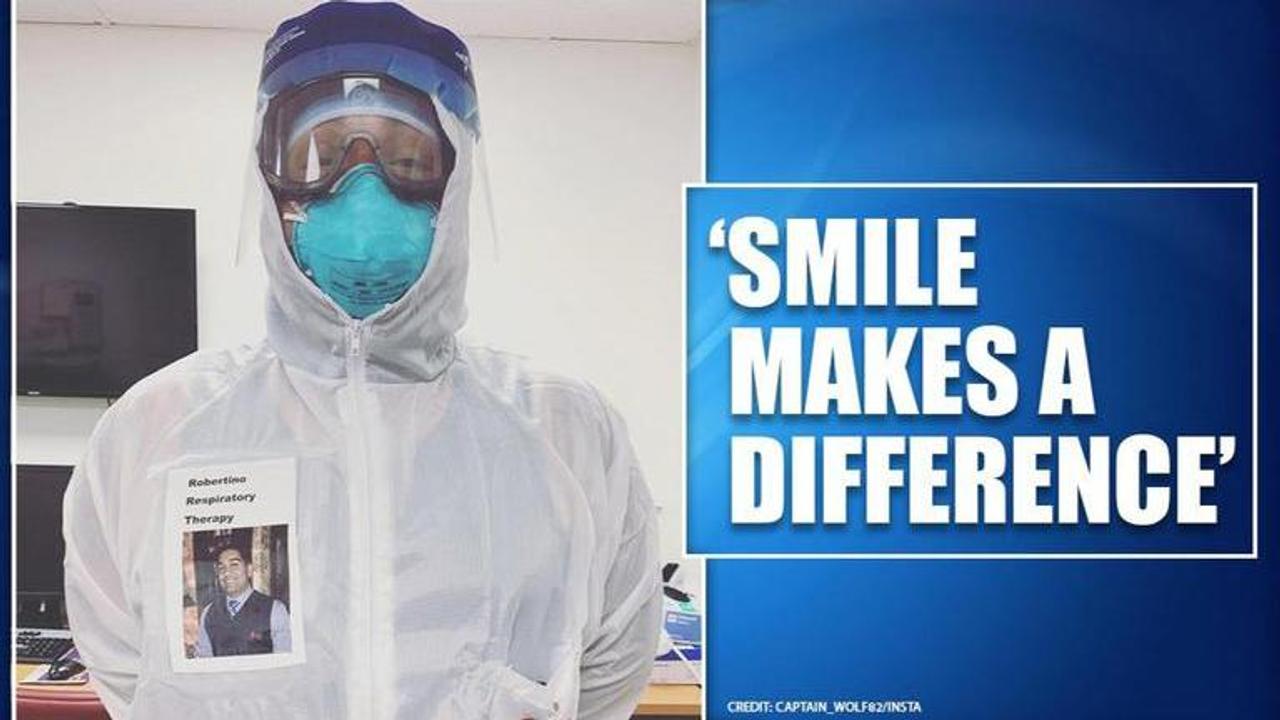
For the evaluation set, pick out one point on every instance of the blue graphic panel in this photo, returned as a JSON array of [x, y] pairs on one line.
[[1159, 278], [814, 91]]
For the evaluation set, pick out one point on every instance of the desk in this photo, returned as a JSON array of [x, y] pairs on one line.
[[683, 701], [657, 701], [47, 702], [21, 670]]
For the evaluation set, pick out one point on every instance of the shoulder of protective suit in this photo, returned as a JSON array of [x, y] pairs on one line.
[[587, 433], [167, 396], [577, 417]]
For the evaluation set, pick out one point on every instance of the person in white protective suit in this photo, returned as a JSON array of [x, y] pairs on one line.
[[466, 537]]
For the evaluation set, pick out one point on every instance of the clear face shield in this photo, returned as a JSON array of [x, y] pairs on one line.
[[313, 133], [352, 169], [308, 139]]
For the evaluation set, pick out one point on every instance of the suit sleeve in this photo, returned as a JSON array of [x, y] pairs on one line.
[[281, 632], [617, 662], [105, 631], [204, 646]]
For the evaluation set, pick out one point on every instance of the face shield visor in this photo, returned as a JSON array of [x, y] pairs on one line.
[[354, 85], [309, 137]]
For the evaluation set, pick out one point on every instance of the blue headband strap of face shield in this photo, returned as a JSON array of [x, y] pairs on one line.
[[411, 68]]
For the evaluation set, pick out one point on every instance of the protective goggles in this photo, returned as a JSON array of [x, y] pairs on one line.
[[309, 130]]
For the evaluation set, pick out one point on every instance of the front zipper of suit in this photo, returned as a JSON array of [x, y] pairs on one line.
[[360, 639]]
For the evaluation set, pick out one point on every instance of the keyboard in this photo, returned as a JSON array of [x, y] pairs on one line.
[[40, 645]]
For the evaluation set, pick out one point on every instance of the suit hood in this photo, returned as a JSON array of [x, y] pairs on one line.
[[414, 338]]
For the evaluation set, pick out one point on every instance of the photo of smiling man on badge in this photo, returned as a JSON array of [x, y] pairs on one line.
[[245, 613]]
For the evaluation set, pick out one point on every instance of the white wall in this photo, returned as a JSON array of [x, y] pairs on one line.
[[587, 142]]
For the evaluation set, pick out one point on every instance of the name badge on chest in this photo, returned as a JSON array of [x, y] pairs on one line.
[[232, 587]]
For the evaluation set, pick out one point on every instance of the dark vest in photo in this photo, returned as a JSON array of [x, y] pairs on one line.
[[247, 633]]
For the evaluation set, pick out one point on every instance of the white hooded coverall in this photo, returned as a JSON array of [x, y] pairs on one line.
[[473, 539]]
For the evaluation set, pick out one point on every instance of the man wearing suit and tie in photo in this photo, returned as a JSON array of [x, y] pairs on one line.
[[242, 621]]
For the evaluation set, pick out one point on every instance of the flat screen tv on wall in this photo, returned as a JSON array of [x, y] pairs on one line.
[[105, 296]]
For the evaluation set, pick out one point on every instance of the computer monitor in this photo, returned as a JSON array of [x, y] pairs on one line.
[[105, 296], [39, 544]]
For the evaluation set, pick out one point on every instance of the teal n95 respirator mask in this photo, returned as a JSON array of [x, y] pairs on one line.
[[358, 164], [363, 246]]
